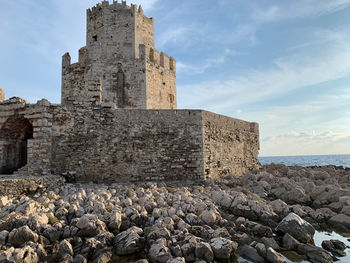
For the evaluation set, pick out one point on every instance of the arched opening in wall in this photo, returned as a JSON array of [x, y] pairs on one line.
[[14, 136]]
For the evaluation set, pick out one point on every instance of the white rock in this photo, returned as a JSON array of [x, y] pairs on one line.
[[208, 217]]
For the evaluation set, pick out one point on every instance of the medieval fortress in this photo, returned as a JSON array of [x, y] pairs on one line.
[[118, 119]]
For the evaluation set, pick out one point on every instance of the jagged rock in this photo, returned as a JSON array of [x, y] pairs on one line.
[[105, 256], [141, 261], [129, 241], [52, 233], [89, 249], [204, 251], [115, 220], [176, 250], [37, 220], [274, 257], [39, 250], [189, 246], [19, 255], [177, 260], [314, 254], [250, 253], [290, 242], [65, 248], [336, 247], [159, 233], [159, 252], [261, 248], [89, 225], [18, 237], [297, 227], [3, 237], [222, 247], [270, 242]]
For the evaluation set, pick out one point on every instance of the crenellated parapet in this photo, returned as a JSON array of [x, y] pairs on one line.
[[114, 6], [157, 58]]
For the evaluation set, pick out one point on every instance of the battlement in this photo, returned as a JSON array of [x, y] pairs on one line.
[[158, 58], [114, 6]]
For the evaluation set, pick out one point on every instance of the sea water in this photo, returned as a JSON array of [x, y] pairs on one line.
[[308, 160]]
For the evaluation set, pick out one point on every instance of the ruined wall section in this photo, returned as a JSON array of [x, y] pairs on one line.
[[107, 145], [160, 79], [230, 145], [15, 115]]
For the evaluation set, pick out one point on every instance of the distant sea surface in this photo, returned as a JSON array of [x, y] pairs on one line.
[[309, 160]]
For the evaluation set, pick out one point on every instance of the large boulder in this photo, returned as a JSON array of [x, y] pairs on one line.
[[222, 247], [208, 217], [340, 222], [314, 254], [17, 237], [159, 252], [250, 253], [204, 251], [297, 227], [129, 241], [89, 226]]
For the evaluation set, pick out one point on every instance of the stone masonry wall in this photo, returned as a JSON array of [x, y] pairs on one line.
[[230, 145], [160, 79], [107, 145]]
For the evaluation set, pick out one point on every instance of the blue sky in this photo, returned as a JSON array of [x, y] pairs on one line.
[[284, 64]]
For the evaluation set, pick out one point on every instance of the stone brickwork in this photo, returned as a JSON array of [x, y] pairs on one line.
[[230, 145], [118, 120]]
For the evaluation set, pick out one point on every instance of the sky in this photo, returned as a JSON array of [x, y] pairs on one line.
[[284, 64]]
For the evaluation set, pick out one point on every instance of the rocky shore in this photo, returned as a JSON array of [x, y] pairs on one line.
[[261, 217]]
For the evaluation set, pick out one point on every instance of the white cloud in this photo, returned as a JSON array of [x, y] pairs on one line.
[[297, 9], [301, 69], [306, 143]]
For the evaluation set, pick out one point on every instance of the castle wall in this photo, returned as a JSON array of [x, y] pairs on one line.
[[107, 145], [231, 146], [160, 79]]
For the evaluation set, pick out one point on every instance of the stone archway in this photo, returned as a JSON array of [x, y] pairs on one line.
[[14, 136]]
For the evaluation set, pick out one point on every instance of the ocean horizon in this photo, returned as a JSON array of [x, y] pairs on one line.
[[308, 160]]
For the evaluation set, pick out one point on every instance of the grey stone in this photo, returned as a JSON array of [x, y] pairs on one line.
[[340, 222], [129, 241], [222, 247], [290, 242], [79, 259], [270, 242], [274, 257], [18, 237], [159, 252], [65, 248], [89, 225], [3, 237], [297, 227], [314, 254], [250, 253], [204, 251]]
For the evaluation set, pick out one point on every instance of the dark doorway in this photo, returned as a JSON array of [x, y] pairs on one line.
[[14, 136]]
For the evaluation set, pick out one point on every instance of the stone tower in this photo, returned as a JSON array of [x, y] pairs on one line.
[[119, 66]]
